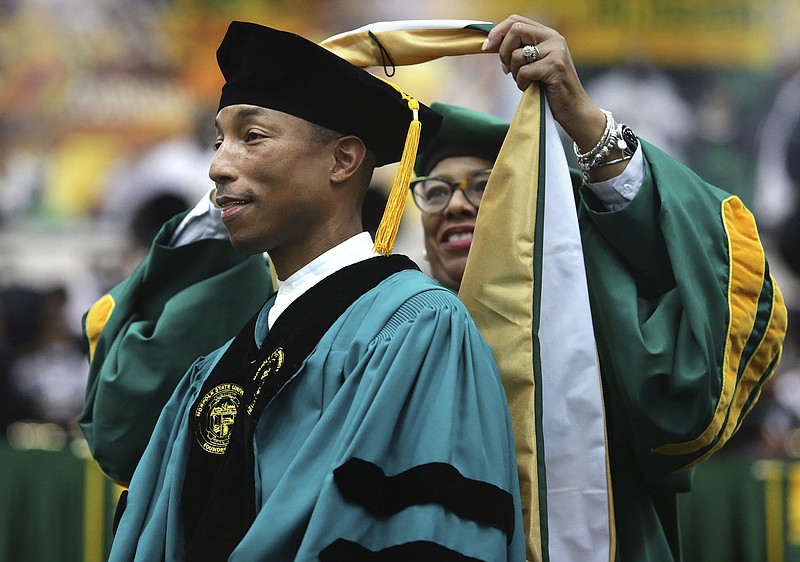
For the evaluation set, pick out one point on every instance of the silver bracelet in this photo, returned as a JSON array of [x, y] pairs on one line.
[[590, 159], [619, 136], [615, 161]]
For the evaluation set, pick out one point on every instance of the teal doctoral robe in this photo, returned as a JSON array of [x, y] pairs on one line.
[[402, 380]]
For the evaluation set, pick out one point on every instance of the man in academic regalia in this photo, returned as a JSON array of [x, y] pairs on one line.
[[359, 410]]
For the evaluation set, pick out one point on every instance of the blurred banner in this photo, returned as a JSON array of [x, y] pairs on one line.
[[88, 87], [742, 509], [678, 33], [54, 505]]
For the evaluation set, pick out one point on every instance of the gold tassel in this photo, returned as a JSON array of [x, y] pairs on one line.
[[387, 231]]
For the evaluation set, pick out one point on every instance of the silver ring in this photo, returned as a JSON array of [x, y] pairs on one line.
[[531, 53]]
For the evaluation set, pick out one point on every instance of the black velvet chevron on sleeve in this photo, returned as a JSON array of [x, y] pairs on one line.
[[342, 550], [365, 484]]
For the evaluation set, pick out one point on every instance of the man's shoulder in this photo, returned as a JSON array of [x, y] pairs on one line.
[[408, 293], [412, 282]]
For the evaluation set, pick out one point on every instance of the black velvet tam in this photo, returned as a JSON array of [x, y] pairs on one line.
[[279, 70]]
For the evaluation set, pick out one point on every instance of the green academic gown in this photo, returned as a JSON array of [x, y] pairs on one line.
[[689, 325], [179, 303], [403, 383]]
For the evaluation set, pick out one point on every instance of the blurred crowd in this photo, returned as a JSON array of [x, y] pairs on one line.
[[106, 124]]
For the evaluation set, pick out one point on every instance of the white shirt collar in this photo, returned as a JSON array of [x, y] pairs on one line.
[[353, 250]]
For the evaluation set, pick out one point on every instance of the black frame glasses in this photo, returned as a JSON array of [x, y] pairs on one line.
[[432, 194]]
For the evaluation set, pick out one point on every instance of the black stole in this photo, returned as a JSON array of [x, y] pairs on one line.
[[218, 499]]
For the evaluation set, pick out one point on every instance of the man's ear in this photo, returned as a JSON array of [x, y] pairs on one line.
[[348, 153]]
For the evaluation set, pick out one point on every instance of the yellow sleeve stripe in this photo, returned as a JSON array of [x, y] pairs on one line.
[[760, 367], [746, 278], [96, 320]]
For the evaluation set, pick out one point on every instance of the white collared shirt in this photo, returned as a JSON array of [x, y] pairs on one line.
[[353, 250]]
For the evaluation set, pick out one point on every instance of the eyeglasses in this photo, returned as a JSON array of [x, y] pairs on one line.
[[433, 194]]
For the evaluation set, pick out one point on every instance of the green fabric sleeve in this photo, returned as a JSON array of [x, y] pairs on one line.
[[180, 303], [688, 320]]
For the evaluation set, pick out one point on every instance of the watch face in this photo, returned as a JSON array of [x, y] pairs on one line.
[[628, 137]]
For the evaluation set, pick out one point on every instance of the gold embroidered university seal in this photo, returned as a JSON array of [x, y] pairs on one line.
[[215, 416]]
